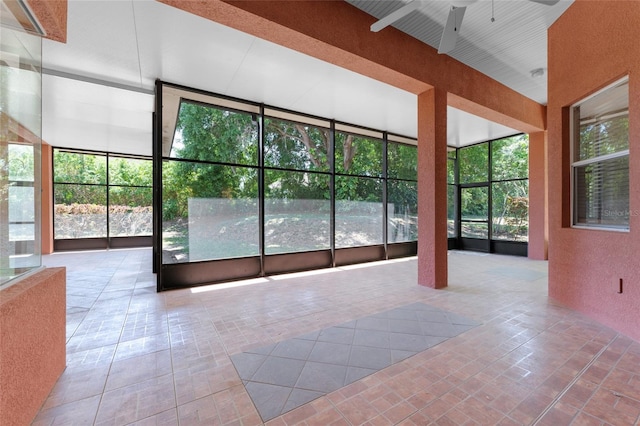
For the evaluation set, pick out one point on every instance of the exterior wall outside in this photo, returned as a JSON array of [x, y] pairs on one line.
[[593, 44], [32, 343]]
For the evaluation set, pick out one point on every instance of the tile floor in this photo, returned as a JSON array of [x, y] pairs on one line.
[[138, 357], [283, 376]]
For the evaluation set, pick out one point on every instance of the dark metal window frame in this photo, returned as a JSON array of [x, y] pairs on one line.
[[92, 243], [181, 275], [488, 245]]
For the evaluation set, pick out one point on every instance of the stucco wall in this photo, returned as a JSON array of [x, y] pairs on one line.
[[593, 44], [32, 343]]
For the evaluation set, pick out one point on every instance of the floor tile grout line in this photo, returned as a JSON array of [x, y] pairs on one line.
[[92, 306], [315, 341], [579, 357], [577, 377], [173, 370], [374, 316], [538, 333], [113, 360], [600, 385], [104, 387], [442, 309]]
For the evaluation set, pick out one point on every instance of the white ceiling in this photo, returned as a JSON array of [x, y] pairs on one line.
[[507, 49], [98, 87]]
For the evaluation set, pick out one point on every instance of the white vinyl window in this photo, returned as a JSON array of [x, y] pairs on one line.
[[600, 158]]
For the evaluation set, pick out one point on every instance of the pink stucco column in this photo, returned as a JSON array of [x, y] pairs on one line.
[[432, 188], [538, 196]]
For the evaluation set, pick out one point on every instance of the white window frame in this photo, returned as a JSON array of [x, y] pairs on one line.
[[599, 159]]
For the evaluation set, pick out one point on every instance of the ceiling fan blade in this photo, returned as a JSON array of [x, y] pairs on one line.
[[546, 2], [394, 16], [451, 29]]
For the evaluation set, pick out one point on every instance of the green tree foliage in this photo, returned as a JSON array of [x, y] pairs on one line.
[[72, 167], [207, 134], [216, 135], [20, 162], [402, 171], [290, 145], [510, 158], [130, 172], [474, 168], [474, 163], [296, 146], [296, 157], [402, 161], [130, 182], [297, 161], [509, 187], [602, 137], [357, 155], [510, 199], [474, 203], [76, 176], [81, 178], [451, 193], [451, 169]]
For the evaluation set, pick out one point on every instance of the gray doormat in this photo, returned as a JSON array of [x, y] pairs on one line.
[[286, 375]]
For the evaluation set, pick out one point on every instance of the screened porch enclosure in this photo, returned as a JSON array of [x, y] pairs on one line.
[[246, 190], [488, 196], [101, 200]]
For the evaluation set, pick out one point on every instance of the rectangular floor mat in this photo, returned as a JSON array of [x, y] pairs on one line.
[[286, 375]]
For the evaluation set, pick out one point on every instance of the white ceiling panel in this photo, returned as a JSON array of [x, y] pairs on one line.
[[83, 115], [131, 43], [103, 138], [272, 72], [348, 97], [466, 129], [101, 41], [179, 47]]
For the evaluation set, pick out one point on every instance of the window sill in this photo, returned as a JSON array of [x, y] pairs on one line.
[[601, 228]]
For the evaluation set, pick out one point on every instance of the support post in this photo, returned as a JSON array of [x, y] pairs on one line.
[[538, 197], [432, 188]]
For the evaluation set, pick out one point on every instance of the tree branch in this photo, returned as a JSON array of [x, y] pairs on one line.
[[306, 140], [348, 152]]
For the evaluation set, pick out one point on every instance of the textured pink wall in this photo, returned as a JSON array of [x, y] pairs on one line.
[[52, 15], [432, 189], [593, 44], [538, 207], [32, 343]]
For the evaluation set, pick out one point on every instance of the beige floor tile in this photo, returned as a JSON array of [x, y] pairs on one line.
[[130, 371], [143, 358], [136, 402]]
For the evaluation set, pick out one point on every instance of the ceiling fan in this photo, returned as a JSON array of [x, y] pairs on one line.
[[451, 28]]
